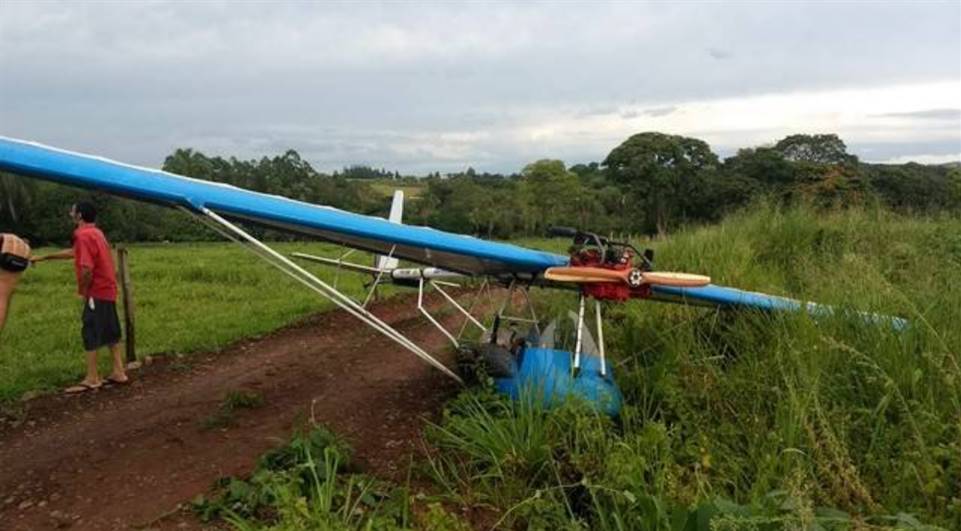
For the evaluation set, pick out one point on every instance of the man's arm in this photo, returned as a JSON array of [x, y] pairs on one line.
[[86, 280], [65, 254]]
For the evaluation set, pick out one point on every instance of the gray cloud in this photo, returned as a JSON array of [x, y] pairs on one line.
[[427, 86], [927, 114], [656, 112], [660, 111], [596, 111], [719, 54], [882, 151]]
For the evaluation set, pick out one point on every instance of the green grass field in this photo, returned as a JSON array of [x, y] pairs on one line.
[[386, 188], [187, 298], [731, 421]]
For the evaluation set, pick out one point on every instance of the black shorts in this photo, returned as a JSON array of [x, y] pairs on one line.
[[101, 327]]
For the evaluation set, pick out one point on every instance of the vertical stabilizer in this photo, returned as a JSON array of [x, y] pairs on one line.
[[396, 216]]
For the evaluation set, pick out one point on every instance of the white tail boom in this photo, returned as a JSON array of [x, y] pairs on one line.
[[396, 216]]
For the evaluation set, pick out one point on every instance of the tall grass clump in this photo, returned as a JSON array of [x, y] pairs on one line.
[[306, 484], [530, 464], [744, 420]]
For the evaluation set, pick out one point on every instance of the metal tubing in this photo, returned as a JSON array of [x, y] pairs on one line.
[[380, 275], [454, 303], [580, 332], [322, 288], [600, 336], [420, 307], [507, 300], [530, 306], [337, 271], [473, 303], [338, 263]]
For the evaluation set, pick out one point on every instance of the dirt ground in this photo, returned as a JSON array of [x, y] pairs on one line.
[[127, 456]]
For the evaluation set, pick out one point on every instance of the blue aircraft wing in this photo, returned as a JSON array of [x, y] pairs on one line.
[[724, 297], [454, 252]]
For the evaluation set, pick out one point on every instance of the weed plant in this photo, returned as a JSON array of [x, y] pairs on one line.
[[225, 416], [311, 484], [306, 484]]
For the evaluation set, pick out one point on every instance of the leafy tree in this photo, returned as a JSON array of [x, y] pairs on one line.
[[590, 174], [15, 196], [766, 166], [818, 149], [552, 195], [452, 204], [954, 188], [366, 172], [916, 187], [835, 185], [189, 163], [661, 172], [722, 191], [823, 171]]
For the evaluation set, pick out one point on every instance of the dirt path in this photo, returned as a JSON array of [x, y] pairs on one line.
[[122, 456]]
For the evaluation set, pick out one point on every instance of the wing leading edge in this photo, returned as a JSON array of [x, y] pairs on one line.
[[455, 252], [724, 297]]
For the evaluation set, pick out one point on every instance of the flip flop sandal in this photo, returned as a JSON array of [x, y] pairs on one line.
[[81, 388], [112, 381]]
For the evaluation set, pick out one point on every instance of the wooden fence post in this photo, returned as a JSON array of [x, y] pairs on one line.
[[128, 306]]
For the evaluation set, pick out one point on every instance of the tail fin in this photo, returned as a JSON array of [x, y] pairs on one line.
[[396, 216]]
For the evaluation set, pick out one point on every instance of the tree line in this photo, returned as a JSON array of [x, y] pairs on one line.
[[649, 184]]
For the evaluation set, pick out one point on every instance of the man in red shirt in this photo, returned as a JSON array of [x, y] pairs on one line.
[[97, 287]]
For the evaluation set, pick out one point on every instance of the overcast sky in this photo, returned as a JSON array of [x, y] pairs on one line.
[[443, 86]]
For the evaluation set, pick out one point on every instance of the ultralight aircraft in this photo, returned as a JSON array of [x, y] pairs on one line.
[[597, 268]]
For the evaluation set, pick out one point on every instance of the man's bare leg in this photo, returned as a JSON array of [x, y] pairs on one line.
[[93, 377], [92, 380], [119, 373]]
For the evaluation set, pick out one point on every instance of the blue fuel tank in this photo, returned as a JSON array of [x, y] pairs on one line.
[[546, 372]]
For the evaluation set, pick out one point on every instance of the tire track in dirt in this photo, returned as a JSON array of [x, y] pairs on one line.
[[123, 456]]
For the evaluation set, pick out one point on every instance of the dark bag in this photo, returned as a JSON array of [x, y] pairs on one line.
[[14, 253]]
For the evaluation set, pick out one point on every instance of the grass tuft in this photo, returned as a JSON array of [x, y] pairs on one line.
[[226, 414]]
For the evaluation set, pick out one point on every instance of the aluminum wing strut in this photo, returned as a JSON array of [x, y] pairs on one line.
[[235, 233]]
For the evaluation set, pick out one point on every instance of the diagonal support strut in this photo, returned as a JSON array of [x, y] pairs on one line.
[[216, 222]]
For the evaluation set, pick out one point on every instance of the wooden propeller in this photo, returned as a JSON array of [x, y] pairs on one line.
[[632, 277]]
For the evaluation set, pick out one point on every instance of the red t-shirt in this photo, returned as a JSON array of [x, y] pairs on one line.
[[90, 250]]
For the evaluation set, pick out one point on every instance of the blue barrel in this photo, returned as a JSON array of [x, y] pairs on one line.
[[546, 372]]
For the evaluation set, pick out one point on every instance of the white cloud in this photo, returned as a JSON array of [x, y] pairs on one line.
[[925, 159], [410, 85], [894, 115]]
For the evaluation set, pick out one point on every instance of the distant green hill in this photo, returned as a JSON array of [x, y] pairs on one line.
[[412, 189]]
